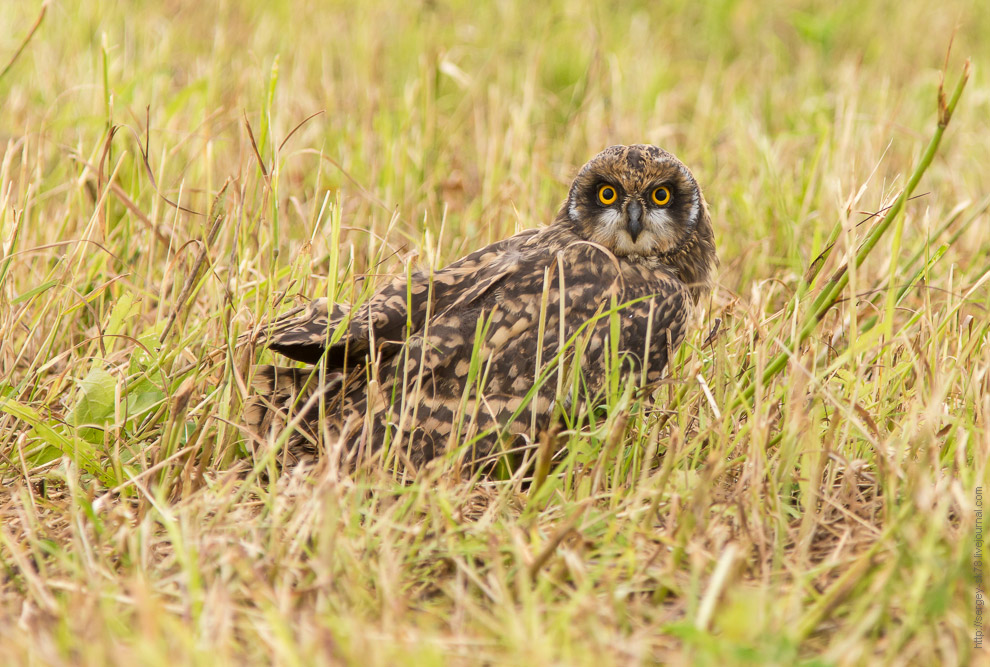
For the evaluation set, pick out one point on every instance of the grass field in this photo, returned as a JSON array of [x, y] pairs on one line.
[[797, 493]]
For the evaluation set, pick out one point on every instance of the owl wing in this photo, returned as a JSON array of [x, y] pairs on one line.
[[392, 314], [596, 295], [600, 298]]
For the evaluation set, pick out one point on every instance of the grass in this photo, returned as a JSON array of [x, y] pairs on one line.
[[801, 491]]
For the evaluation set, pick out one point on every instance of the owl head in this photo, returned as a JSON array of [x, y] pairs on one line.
[[642, 202]]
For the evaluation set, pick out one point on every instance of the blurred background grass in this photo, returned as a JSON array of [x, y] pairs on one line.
[[446, 126], [488, 108]]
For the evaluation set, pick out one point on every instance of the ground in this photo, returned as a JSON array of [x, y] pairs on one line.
[[801, 489]]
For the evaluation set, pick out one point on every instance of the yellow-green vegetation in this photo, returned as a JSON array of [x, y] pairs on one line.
[[801, 490]]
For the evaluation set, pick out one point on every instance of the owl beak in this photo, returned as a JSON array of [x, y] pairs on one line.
[[634, 218]]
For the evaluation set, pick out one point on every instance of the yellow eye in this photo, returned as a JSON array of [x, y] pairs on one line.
[[607, 194], [661, 196]]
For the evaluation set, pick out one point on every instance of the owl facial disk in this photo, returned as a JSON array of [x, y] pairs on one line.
[[635, 200]]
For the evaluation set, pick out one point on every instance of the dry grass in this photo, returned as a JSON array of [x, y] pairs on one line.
[[829, 519]]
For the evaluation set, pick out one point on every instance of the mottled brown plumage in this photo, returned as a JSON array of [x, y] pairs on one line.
[[631, 250]]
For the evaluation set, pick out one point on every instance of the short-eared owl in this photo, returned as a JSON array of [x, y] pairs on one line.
[[474, 354]]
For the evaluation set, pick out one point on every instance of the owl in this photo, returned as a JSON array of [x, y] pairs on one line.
[[493, 350]]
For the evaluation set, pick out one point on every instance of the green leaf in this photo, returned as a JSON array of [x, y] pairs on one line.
[[32, 292], [75, 447], [95, 405], [123, 310]]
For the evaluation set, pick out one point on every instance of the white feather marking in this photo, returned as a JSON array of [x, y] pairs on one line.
[[609, 218], [695, 204], [660, 222]]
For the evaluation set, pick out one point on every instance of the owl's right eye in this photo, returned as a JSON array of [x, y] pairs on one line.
[[607, 195]]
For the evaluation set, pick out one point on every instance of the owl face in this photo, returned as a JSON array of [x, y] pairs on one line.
[[637, 201]]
